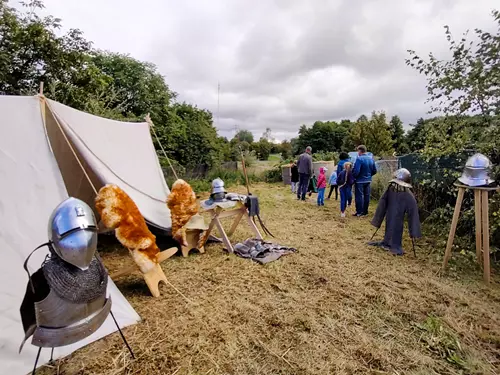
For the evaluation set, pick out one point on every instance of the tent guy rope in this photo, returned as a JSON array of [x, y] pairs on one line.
[[151, 126], [45, 102]]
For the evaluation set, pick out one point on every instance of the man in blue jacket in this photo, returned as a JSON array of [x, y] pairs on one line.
[[364, 169]]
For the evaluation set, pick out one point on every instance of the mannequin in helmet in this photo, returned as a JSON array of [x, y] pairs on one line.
[[397, 202], [65, 299]]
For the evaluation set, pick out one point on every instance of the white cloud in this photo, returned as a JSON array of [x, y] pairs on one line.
[[281, 63]]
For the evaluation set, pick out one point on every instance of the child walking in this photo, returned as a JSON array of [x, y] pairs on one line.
[[333, 185], [321, 186], [345, 181]]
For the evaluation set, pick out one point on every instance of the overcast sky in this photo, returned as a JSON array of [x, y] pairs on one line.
[[281, 63]]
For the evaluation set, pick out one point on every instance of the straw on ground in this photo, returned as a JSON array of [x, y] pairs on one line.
[[335, 307]]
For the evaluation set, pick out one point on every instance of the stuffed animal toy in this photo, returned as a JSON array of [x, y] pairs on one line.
[[183, 205], [118, 211]]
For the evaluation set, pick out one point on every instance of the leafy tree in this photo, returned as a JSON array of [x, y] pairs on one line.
[[397, 133], [322, 136], [379, 140], [466, 89], [285, 149], [415, 138], [262, 149], [268, 135], [358, 134], [470, 81], [244, 136]]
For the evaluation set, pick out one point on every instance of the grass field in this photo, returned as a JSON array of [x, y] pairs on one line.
[[335, 307]]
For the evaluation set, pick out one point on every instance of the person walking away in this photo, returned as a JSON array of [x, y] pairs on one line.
[[363, 171], [345, 180], [294, 174], [321, 186], [333, 185], [344, 158], [305, 167]]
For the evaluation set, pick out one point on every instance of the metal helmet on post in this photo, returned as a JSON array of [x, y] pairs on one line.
[[73, 232], [476, 171], [218, 191], [402, 177]]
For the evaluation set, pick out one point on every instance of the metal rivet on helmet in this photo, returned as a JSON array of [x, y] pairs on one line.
[[476, 171], [73, 232]]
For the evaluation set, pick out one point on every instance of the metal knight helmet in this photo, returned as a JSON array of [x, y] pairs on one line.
[[402, 177], [218, 191], [73, 232], [65, 299], [476, 171]]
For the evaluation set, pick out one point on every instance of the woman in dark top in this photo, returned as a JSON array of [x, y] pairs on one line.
[[294, 170]]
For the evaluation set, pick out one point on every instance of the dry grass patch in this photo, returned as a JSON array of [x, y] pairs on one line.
[[335, 307]]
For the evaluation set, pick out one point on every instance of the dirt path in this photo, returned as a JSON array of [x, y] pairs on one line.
[[335, 307]]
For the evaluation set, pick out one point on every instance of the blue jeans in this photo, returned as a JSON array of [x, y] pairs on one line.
[[362, 197], [321, 196], [303, 185], [345, 197]]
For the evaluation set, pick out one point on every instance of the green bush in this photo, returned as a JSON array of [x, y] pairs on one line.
[[326, 156], [380, 182], [273, 175]]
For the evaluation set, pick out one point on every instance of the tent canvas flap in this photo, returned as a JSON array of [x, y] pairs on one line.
[[121, 153]]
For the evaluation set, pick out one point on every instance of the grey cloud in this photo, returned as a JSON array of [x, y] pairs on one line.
[[282, 63]]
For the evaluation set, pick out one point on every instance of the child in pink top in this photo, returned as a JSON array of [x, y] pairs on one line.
[[321, 186]]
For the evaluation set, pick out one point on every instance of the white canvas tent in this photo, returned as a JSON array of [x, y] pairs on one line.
[[41, 144]]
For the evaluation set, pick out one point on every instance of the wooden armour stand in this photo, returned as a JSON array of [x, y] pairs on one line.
[[482, 226], [153, 277]]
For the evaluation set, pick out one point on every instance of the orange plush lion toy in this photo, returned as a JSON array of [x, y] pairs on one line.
[[183, 205], [118, 211]]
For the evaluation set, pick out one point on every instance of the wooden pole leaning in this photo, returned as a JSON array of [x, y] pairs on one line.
[[482, 227]]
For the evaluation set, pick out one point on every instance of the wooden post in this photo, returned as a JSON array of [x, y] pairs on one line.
[[453, 228], [41, 88], [477, 212], [486, 236]]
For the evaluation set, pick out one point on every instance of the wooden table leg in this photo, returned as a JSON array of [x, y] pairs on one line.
[[453, 228], [254, 228], [223, 234], [236, 222], [206, 235], [486, 237], [477, 212]]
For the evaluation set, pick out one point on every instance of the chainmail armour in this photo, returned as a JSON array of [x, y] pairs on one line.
[[72, 284]]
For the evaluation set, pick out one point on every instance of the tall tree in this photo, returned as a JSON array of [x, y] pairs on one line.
[[359, 133], [244, 136], [268, 135], [397, 133], [379, 136]]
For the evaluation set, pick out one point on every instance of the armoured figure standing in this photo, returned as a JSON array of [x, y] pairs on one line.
[[65, 299], [397, 202]]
